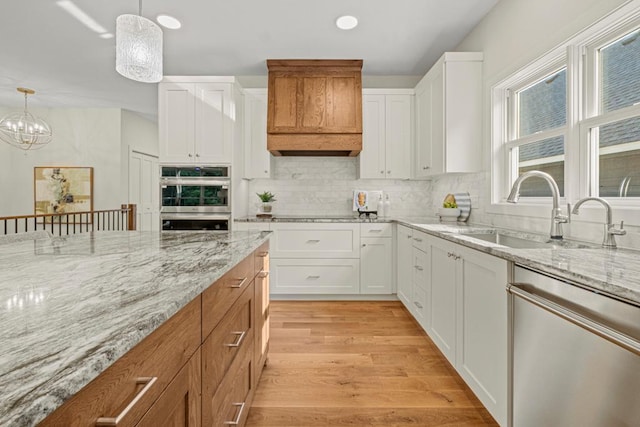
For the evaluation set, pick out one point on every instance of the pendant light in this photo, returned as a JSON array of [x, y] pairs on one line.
[[24, 130], [138, 48]]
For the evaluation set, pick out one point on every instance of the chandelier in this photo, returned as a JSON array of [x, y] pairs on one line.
[[24, 130], [138, 48]]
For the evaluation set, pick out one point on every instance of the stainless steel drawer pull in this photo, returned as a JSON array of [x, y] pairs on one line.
[[418, 304], [263, 254], [263, 274], [238, 416], [109, 421], [375, 231], [417, 239], [313, 241], [417, 267], [313, 277], [241, 283], [239, 339]]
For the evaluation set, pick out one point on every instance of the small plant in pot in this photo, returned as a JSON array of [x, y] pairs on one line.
[[266, 198], [449, 211]]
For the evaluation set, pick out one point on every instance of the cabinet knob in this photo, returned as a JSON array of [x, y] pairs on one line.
[[388, 171], [425, 167], [364, 244], [197, 155], [381, 171], [190, 155], [266, 171]]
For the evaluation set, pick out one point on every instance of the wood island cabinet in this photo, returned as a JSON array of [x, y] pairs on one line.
[[199, 368]]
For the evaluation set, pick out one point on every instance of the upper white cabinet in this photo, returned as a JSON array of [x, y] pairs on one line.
[[387, 123], [448, 115], [196, 119], [258, 161]]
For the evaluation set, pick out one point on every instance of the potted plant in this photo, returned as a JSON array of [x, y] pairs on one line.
[[266, 198], [449, 212]]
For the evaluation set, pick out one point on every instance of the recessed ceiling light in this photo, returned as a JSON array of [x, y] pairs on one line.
[[347, 22], [168, 22]]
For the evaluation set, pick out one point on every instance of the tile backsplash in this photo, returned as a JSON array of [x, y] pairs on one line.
[[324, 185]]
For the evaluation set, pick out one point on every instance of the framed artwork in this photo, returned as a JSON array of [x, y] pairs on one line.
[[63, 190]]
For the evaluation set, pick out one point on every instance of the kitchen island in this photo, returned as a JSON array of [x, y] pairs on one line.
[[72, 306]]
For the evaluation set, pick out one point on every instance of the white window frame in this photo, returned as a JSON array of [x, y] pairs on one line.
[[580, 157]]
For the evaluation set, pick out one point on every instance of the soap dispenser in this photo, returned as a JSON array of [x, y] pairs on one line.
[[380, 209], [387, 206]]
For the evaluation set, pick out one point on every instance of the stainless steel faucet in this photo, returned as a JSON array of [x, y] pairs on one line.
[[557, 217], [610, 231]]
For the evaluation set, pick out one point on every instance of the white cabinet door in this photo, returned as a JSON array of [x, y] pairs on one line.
[[404, 256], [482, 329], [372, 156], [258, 161], [376, 265], [449, 116], [176, 116], [214, 123], [423, 162], [442, 325], [398, 124]]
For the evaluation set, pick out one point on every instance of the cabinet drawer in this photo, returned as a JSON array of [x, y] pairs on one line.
[[376, 230], [315, 276], [420, 268], [420, 240], [218, 297], [230, 338], [179, 405], [420, 306], [315, 240], [142, 373], [230, 404], [261, 259]]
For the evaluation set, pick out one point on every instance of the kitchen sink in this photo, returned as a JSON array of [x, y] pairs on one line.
[[511, 241]]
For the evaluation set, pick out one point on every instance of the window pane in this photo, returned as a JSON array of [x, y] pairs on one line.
[[620, 73], [619, 158], [546, 156], [543, 105]]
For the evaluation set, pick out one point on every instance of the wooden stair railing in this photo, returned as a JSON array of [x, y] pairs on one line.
[[72, 222]]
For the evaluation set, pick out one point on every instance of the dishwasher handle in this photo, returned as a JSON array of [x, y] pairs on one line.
[[602, 331]]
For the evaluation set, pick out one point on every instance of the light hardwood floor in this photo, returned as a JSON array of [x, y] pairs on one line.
[[357, 364]]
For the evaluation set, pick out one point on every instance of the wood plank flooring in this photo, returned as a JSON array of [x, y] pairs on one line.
[[358, 363]]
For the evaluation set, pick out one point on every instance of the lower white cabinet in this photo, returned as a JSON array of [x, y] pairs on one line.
[[315, 240], [458, 296], [376, 265], [404, 254], [315, 276]]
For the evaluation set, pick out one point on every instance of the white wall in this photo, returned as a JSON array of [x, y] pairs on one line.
[[81, 137], [513, 34], [324, 186]]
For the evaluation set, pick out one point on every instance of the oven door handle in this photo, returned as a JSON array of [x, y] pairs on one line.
[[585, 323]]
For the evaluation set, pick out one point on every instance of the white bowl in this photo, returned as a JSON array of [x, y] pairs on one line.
[[449, 214]]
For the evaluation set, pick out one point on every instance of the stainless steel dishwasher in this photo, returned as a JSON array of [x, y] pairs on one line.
[[574, 355]]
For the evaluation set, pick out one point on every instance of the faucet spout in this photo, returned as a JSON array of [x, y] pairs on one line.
[[610, 231], [557, 218]]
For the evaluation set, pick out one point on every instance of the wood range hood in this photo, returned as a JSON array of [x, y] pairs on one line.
[[315, 107]]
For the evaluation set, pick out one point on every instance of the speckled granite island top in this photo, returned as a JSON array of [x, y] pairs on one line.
[[71, 306]]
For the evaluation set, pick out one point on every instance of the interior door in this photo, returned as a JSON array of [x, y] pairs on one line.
[[144, 189]]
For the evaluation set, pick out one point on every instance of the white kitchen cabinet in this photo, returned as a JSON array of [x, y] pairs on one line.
[[258, 161], [196, 120], [442, 324], [469, 319], [448, 116], [315, 240], [376, 265], [404, 257], [250, 226], [387, 123], [421, 283], [481, 332], [315, 276]]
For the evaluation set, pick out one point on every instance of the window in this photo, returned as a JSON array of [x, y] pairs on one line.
[[537, 127], [575, 114]]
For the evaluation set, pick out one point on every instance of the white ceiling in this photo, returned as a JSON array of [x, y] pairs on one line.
[[69, 65]]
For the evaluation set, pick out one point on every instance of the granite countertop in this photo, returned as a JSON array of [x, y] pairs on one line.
[[71, 306], [614, 272]]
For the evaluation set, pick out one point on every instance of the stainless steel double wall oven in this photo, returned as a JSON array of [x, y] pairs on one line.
[[195, 197]]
